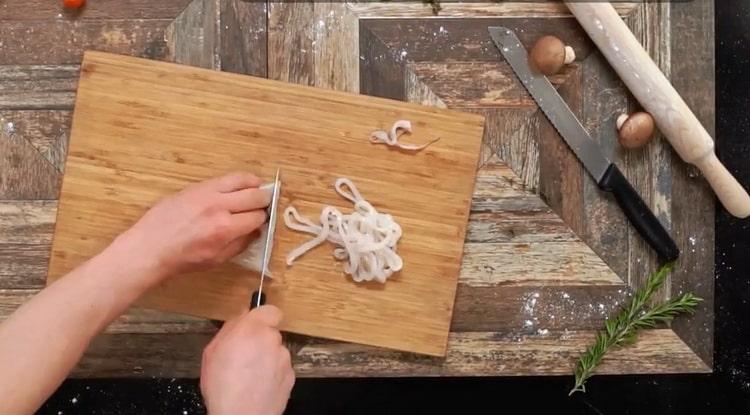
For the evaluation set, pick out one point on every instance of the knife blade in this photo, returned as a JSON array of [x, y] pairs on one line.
[[258, 298], [606, 174]]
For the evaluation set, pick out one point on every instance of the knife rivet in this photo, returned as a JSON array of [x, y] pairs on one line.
[[550, 54]]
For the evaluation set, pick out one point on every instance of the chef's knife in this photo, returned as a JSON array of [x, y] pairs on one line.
[[259, 298], [606, 173]]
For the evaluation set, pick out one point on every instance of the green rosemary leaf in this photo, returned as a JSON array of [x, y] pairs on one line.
[[623, 329]]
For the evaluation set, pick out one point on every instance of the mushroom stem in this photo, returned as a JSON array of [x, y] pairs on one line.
[[621, 120], [570, 55]]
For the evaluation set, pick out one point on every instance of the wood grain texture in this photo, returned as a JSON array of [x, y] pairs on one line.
[[33, 145], [38, 86], [650, 169], [193, 37], [62, 41], [411, 10], [380, 74], [291, 30], [25, 240], [31, 10], [45, 130], [495, 85], [24, 172], [244, 40], [444, 39], [470, 354], [195, 134], [693, 72], [336, 47], [320, 44], [561, 174]]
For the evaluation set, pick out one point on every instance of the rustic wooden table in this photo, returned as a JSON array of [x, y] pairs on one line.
[[574, 258]]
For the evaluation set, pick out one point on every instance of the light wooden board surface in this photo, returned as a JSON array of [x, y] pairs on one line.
[[144, 129]]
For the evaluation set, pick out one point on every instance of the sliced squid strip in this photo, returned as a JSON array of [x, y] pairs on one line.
[[391, 138], [365, 239]]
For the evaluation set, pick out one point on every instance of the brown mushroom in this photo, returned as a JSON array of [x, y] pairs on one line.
[[635, 130], [549, 54]]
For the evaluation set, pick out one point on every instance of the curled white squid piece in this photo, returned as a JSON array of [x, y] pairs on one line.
[[365, 238], [391, 138]]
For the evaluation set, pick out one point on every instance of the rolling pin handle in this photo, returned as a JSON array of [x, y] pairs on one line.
[[728, 190]]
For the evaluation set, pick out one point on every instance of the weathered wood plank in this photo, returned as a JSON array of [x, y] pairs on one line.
[[38, 86], [243, 37], [491, 354], [380, 73], [417, 91], [506, 309], [64, 41], [649, 168], [469, 354], [513, 137], [133, 321], [532, 310], [430, 40], [193, 37], [518, 227], [606, 228], [320, 44], [478, 84], [25, 238], [24, 172], [95, 10], [561, 173], [336, 47], [46, 130], [412, 10], [290, 35], [692, 69], [555, 263]]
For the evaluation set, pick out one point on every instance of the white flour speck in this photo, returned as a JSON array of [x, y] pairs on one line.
[[528, 323], [74, 400], [566, 295], [530, 303], [403, 54], [692, 240], [9, 129], [542, 332]]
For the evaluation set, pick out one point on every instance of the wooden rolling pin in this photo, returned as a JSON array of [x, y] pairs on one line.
[[655, 93]]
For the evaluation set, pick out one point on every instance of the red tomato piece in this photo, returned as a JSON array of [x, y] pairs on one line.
[[74, 4]]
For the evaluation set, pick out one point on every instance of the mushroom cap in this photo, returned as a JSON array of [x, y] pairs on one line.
[[637, 130], [548, 55]]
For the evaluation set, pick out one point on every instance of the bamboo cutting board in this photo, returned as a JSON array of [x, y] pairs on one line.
[[144, 129]]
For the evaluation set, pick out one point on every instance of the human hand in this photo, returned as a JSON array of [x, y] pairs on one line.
[[246, 369], [204, 225]]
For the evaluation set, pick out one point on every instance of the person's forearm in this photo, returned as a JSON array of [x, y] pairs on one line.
[[44, 339]]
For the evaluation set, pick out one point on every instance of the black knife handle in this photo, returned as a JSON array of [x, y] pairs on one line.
[[639, 214], [254, 299]]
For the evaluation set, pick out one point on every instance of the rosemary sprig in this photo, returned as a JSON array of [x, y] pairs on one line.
[[622, 329]]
